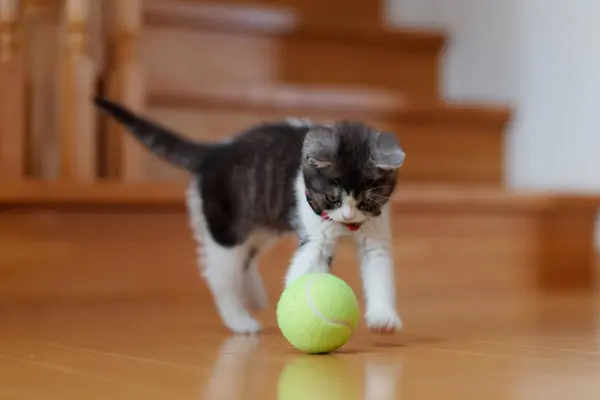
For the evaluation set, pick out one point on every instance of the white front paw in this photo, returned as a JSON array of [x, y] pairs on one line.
[[243, 324], [383, 319]]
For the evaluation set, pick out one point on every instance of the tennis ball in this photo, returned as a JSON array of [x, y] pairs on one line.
[[317, 313]]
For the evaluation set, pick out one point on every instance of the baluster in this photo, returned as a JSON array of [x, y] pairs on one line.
[[12, 92], [8, 29], [77, 114], [125, 85]]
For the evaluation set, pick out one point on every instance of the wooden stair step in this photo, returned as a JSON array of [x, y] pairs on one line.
[[436, 136], [329, 12], [409, 197], [493, 239], [272, 45], [272, 20], [327, 101]]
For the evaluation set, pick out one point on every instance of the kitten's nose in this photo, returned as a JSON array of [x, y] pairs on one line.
[[348, 212]]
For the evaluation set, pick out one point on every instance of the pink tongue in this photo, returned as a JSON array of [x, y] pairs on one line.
[[353, 227]]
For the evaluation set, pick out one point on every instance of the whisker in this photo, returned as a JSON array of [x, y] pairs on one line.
[[379, 194], [367, 223], [383, 197], [378, 203], [380, 187]]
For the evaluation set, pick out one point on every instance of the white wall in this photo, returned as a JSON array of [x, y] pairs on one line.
[[543, 57]]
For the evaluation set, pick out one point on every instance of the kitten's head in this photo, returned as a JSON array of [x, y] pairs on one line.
[[350, 170]]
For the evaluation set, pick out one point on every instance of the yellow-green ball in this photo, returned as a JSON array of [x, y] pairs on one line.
[[318, 313]]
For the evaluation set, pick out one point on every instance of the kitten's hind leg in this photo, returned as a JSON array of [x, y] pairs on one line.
[[252, 285], [254, 289], [222, 267], [224, 271]]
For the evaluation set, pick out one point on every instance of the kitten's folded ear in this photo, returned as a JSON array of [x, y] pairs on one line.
[[388, 154], [319, 148]]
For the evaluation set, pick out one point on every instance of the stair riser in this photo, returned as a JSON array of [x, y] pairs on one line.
[[436, 152], [490, 252], [178, 59]]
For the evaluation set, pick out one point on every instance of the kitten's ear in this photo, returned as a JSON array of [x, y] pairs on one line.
[[320, 145], [388, 154]]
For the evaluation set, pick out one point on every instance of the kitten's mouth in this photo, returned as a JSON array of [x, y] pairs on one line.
[[353, 226]]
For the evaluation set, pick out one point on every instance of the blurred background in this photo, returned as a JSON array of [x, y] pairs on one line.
[[494, 229], [493, 103]]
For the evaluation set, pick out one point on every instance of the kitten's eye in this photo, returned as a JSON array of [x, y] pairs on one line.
[[331, 198]]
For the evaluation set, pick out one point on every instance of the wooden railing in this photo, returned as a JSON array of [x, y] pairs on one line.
[[125, 83], [48, 124], [12, 89], [78, 74]]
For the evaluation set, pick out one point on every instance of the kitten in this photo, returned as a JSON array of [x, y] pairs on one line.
[[318, 181]]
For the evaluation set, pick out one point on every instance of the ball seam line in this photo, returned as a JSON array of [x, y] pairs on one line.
[[318, 312]]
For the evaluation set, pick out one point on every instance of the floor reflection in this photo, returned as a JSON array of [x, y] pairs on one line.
[[243, 361], [235, 362], [335, 377]]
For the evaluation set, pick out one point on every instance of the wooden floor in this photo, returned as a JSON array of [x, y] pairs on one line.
[[503, 349], [67, 330]]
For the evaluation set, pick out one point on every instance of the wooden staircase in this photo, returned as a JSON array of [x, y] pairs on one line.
[[210, 70], [271, 64]]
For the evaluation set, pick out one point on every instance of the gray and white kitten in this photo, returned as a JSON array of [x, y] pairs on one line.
[[320, 182]]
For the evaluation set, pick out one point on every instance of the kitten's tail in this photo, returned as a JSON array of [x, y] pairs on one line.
[[158, 139]]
